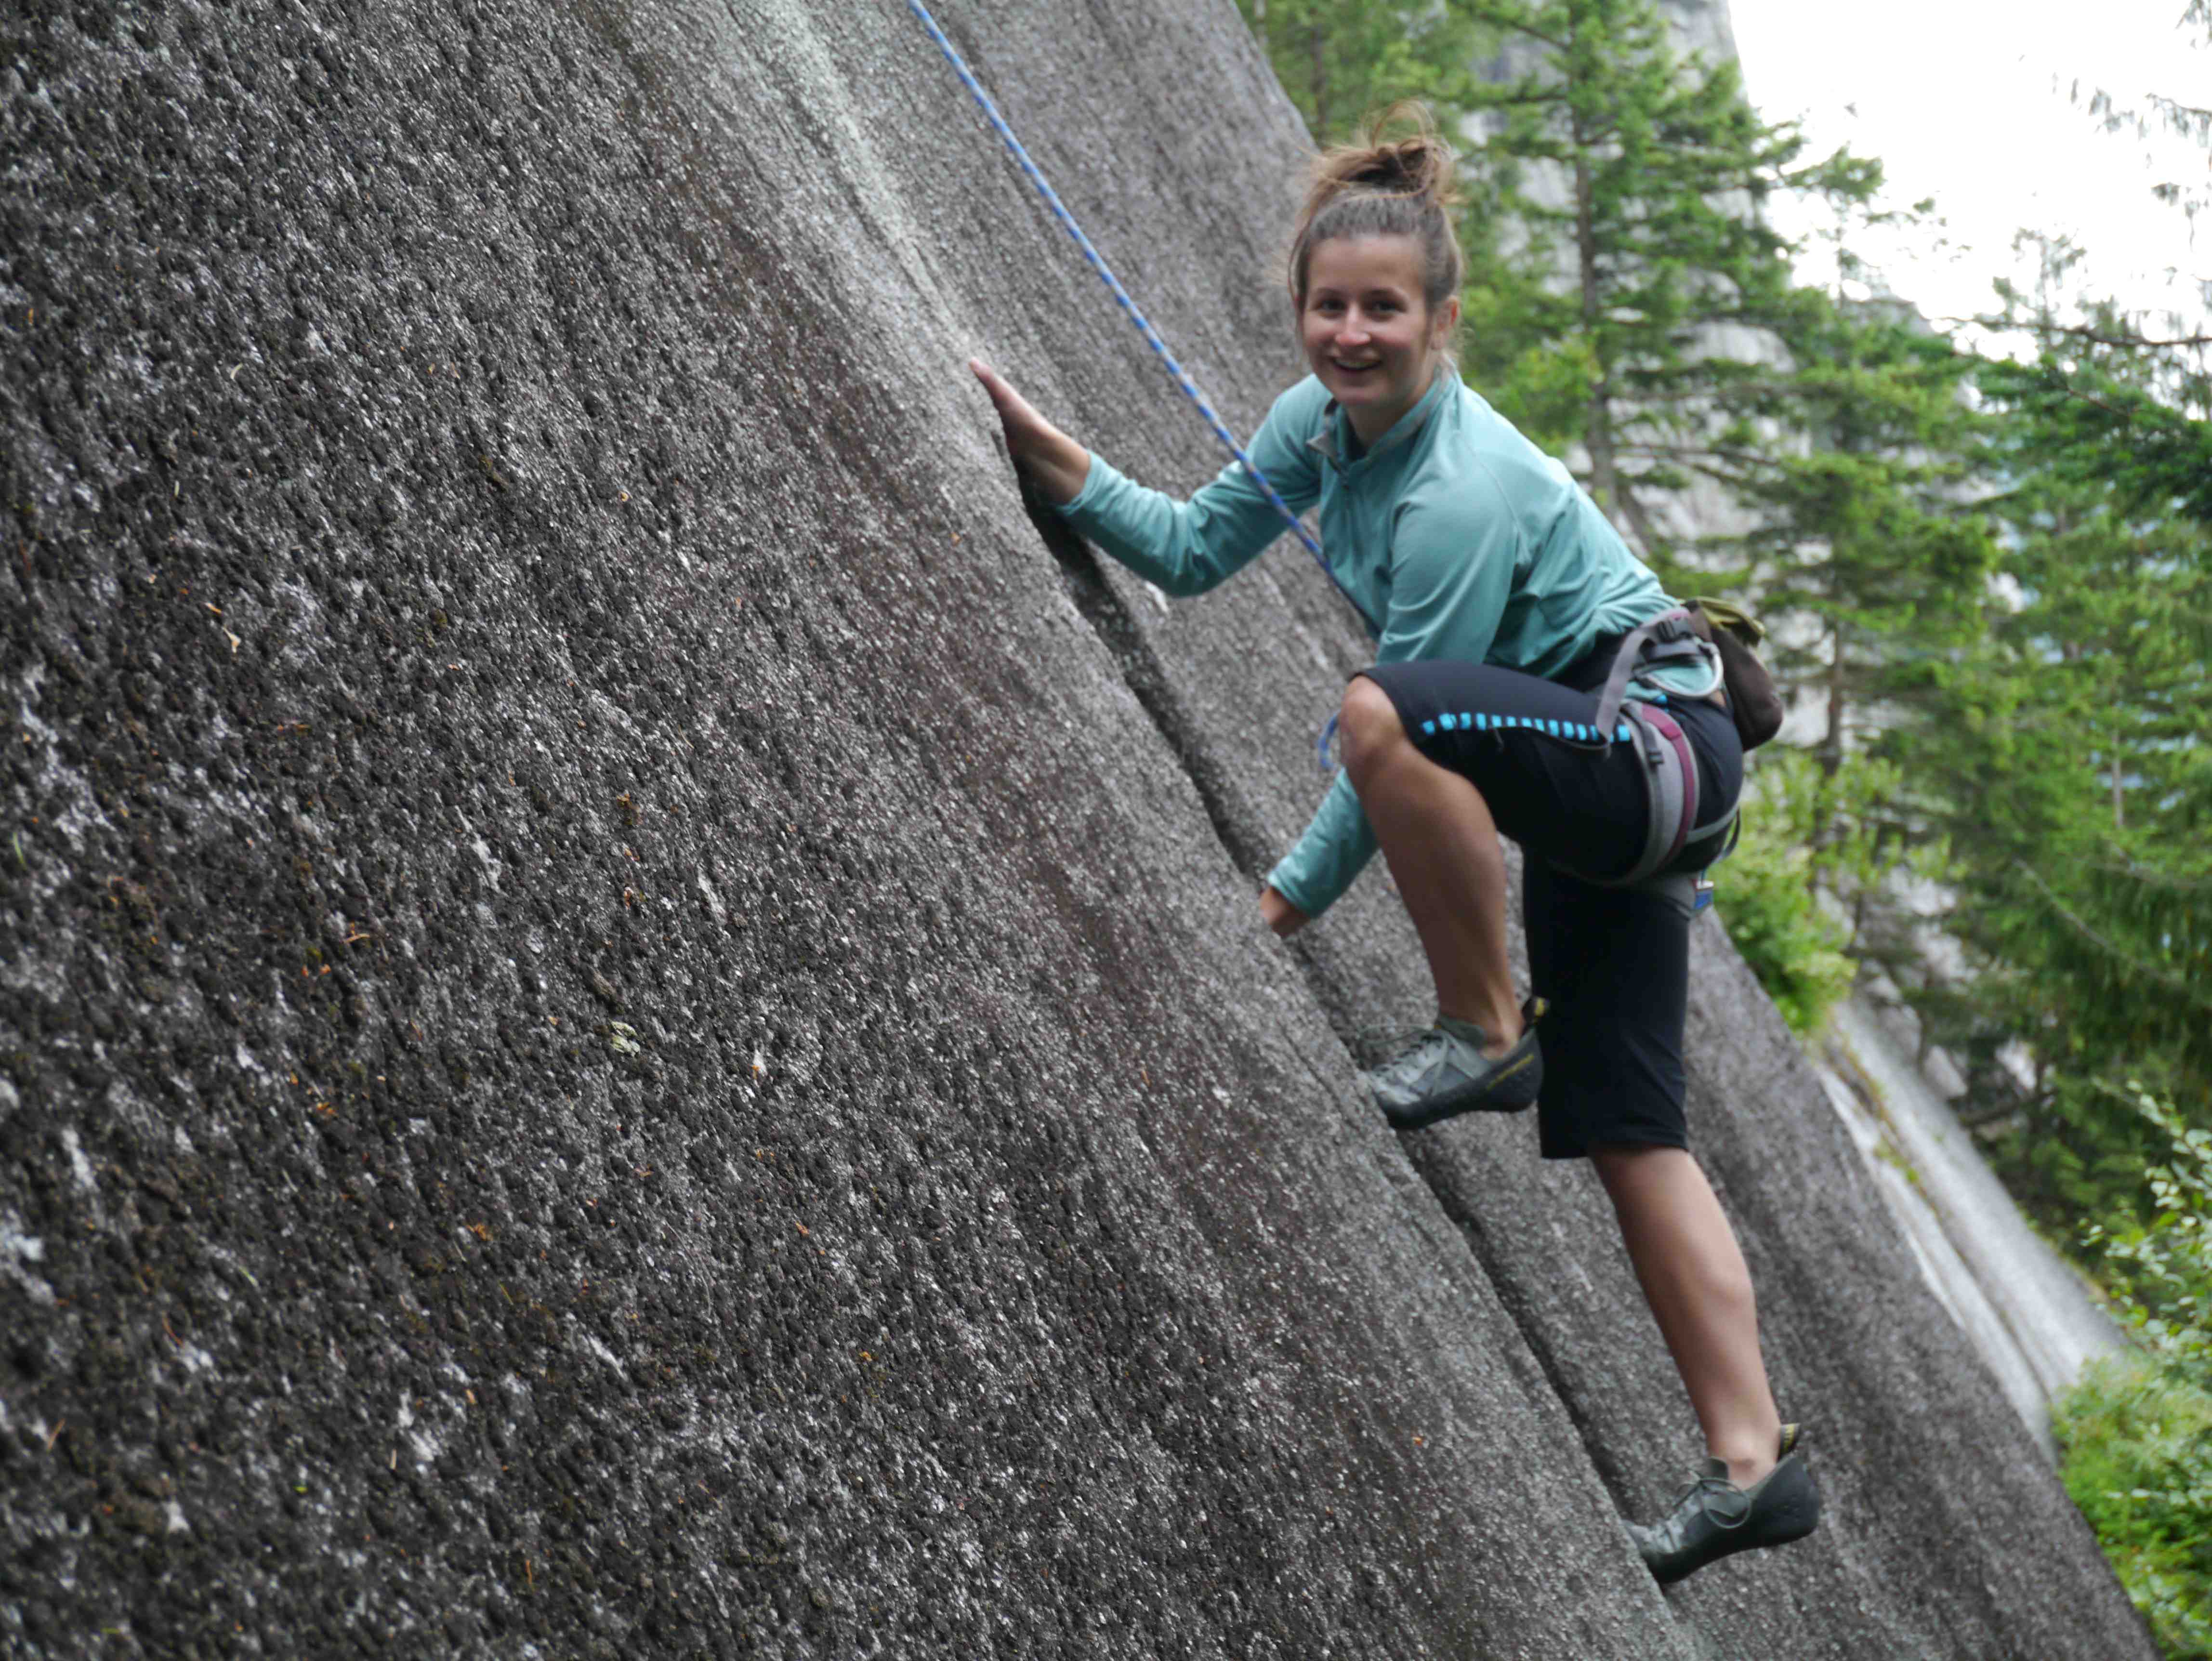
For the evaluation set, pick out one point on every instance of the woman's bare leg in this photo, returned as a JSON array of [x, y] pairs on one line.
[[1441, 845], [1694, 1278]]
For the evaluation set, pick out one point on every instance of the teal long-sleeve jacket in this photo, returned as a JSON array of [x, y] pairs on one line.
[[1457, 537]]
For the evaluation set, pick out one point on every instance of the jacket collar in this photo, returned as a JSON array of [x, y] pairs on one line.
[[1335, 438]]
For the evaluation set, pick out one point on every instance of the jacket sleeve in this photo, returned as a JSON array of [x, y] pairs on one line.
[[1453, 565], [1187, 547]]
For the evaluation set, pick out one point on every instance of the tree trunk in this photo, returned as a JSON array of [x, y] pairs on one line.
[[1597, 433], [1639, 521], [1317, 45], [1831, 745], [1598, 427]]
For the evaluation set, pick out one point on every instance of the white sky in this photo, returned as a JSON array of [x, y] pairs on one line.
[[1967, 101]]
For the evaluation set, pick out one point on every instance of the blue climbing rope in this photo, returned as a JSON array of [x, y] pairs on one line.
[[1143, 326]]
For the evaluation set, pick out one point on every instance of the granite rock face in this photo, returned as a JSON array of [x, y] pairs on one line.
[[631, 1021]]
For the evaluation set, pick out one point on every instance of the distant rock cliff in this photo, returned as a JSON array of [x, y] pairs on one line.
[[632, 1024]]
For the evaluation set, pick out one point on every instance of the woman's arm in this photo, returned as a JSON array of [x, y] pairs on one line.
[[1055, 461]]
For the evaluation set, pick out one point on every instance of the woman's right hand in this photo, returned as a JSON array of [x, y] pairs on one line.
[[1055, 461], [1279, 914]]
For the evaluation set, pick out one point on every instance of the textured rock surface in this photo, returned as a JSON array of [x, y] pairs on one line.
[[630, 1024]]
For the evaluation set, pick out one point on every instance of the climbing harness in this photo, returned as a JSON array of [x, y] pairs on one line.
[[1677, 850], [1670, 771]]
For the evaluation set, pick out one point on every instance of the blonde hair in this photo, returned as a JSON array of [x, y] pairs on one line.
[[1380, 186]]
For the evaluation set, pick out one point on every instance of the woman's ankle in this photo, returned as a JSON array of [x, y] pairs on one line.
[[1750, 1455], [1500, 1030]]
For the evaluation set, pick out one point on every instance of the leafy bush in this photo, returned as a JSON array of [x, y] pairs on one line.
[[2136, 1434], [2136, 1437], [1766, 897], [2160, 1267]]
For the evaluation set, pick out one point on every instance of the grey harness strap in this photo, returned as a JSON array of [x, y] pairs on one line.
[[1673, 839], [1665, 638]]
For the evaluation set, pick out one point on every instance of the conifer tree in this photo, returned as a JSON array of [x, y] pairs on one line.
[[2081, 822], [1339, 64], [1856, 462], [1622, 258], [2118, 393], [2080, 799]]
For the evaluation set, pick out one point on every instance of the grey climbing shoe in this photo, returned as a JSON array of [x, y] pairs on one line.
[[1713, 1518], [1445, 1072]]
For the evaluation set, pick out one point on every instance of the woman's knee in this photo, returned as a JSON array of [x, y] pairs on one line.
[[1367, 725]]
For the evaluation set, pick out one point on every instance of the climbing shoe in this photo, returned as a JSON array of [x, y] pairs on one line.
[[1713, 1518], [1444, 1072]]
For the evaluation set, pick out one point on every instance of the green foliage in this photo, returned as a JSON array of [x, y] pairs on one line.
[[2136, 1434], [1769, 892], [2135, 1441], [2067, 762], [1853, 466], [2074, 1151], [2091, 426], [2158, 1260], [1339, 64]]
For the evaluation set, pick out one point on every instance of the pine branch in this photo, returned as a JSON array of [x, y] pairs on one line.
[[1632, 509], [2151, 879], [1516, 22], [2149, 972], [2081, 332]]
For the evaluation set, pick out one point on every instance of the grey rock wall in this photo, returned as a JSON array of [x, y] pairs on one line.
[[631, 1018]]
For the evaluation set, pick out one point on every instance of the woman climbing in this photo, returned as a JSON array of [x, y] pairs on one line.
[[1502, 598]]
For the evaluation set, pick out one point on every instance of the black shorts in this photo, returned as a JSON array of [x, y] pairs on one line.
[[1612, 963]]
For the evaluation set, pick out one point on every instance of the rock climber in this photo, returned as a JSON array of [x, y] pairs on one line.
[[1502, 597]]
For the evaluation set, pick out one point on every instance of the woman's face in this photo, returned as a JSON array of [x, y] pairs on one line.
[[1367, 332]]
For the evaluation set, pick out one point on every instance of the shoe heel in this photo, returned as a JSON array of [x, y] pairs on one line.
[[1796, 1512]]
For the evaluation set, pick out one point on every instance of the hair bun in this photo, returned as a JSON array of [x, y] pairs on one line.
[[1407, 167], [1398, 177], [1398, 150]]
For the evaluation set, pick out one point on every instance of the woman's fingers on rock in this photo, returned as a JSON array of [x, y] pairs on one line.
[[1002, 394], [1021, 422], [1011, 405]]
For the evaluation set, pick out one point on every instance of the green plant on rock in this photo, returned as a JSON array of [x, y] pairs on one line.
[[2135, 1434], [2136, 1454], [2160, 1265], [1769, 896]]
